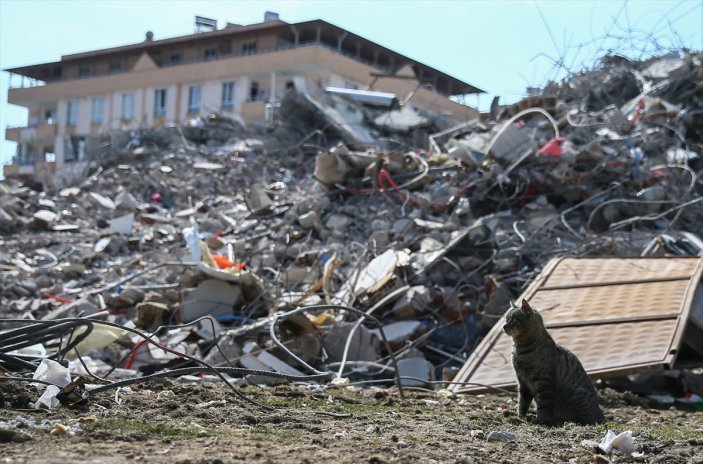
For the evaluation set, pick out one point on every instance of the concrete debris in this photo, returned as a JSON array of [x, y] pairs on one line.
[[212, 297], [354, 236]]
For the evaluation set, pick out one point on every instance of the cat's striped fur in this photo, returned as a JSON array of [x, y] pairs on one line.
[[549, 373]]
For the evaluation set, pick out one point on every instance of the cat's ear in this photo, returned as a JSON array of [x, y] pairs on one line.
[[526, 308]]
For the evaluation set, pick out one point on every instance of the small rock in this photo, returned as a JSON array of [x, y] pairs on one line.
[[379, 238], [349, 210], [44, 218], [150, 314], [501, 436], [126, 201], [376, 460], [70, 192], [401, 226], [29, 286], [46, 203], [268, 260], [130, 296], [73, 269], [380, 224], [339, 234], [465, 460], [308, 220], [338, 221]]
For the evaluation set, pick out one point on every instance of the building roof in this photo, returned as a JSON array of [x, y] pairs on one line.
[[443, 82]]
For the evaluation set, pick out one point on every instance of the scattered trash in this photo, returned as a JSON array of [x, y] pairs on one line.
[[622, 442]]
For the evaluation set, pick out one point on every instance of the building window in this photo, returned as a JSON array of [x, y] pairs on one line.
[[75, 149], [210, 54], [127, 105], [228, 94], [254, 91], [50, 116], [69, 154], [98, 110], [249, 48], [72, 113], [83, 72], [175, 58], [194, 92], [49, 155], [115, 68], [160, 102]]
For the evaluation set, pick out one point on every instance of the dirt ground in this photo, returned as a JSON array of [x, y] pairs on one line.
[[196, 423]]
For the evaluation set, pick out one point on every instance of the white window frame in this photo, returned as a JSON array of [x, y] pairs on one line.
[[72, 113], [128, 105], [195, 93], [160, 102], [98, 110], [229, 90]]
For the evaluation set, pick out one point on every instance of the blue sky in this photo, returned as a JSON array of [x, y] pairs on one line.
[[499, 46]]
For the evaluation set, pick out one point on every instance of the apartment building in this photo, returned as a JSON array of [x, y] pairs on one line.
[[240, 71]]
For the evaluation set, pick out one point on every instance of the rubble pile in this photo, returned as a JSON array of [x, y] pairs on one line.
[[346, 241]]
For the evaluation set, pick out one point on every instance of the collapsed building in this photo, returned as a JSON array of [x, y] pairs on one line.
[[355, 240]]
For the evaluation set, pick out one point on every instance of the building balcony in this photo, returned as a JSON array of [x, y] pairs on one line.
[[29, 169], [25, 134], [12, 134], [47, 131], [14, 170]]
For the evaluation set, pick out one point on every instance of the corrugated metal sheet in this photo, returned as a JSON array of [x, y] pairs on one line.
[[618, 315]]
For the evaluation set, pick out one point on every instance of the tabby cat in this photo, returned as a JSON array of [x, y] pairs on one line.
[[549, 373]]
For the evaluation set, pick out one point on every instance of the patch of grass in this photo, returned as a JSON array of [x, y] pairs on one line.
[[412, 438], [150, 428], [267, 433], [339, 405], [673, 432]]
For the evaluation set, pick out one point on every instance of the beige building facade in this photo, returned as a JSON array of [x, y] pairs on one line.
[[237, 71]]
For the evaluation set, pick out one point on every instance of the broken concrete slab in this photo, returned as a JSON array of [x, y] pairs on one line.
[[212, 297]]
